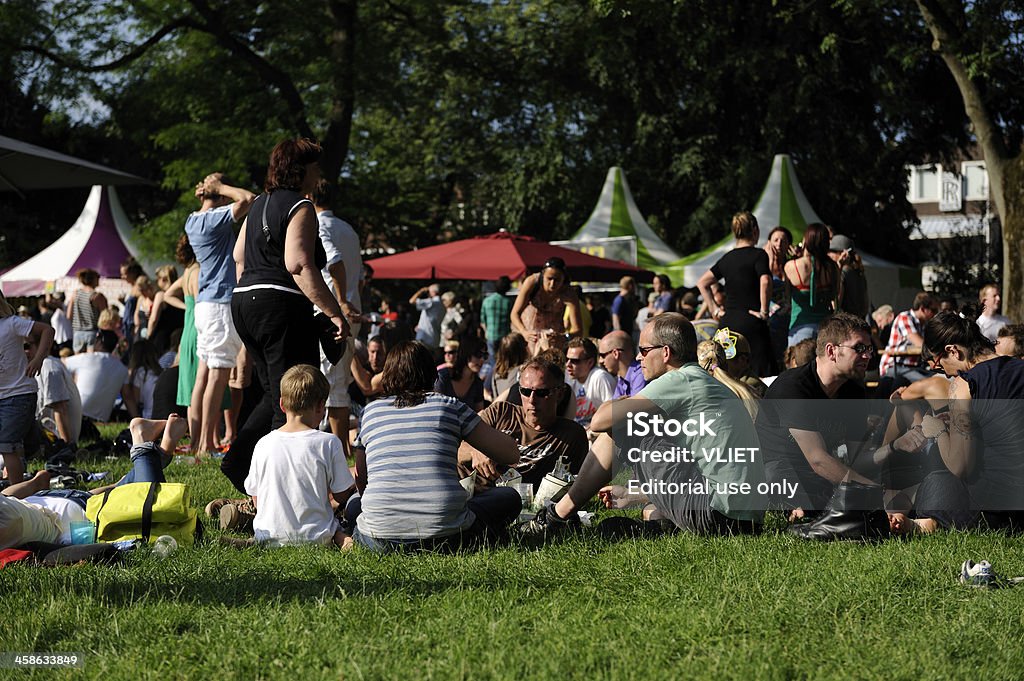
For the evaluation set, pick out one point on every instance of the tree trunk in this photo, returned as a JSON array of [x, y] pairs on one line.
[[1005, 172], [1012, 216], [341, 47]]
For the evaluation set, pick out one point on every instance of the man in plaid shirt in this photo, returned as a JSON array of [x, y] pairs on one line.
[[496, 315], [906, 336]]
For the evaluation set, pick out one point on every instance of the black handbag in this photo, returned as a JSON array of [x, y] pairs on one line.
[[327, 332]]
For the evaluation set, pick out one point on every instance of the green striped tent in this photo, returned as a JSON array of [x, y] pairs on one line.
[[616, 215], [782, 202]]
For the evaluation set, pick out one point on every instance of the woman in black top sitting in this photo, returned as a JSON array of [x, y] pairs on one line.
[[748, 285], [980, 439], [462, 379], [279, 257]]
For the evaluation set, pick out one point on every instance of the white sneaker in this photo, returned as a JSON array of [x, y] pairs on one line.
[[979, 575]]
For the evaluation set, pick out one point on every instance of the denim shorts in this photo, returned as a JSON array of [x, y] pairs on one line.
[[802, 332], [16, 415]]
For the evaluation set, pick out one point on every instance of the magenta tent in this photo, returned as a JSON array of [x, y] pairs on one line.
[[98, 240], [486, 258]]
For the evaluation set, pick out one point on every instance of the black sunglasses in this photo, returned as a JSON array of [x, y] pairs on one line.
[[933, 359], [644, 349], [535, 392], [859, 348]]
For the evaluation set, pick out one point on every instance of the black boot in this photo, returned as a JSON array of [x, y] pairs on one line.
[[855, 513]]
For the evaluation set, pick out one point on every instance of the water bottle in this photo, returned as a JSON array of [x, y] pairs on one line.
[[164, 546], [561, 470]]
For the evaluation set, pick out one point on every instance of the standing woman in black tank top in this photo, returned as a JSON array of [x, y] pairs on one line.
[[748, 289], [279, 259]]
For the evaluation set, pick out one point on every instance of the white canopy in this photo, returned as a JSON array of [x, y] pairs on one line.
[[99, 239]]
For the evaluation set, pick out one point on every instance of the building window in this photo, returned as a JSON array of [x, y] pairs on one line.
[[924, 183], [975, 180]]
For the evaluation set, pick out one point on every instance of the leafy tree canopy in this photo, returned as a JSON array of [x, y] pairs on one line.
[[463, 116]]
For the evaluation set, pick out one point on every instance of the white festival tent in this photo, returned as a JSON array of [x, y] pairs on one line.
[[783, 202], [615, 216], [100, 239]]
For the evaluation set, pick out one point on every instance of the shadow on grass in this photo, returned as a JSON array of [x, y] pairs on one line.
[[232, 578]]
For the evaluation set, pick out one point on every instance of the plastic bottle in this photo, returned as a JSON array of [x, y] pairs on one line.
[[164, 546]]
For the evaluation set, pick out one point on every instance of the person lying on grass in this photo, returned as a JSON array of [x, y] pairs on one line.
[[30, 511], [297, 469]]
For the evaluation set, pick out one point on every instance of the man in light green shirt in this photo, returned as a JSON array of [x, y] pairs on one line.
[[690, 443]]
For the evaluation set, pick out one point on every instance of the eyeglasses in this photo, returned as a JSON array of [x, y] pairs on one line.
[[450, 352], [934, 361], [859, 348], [644, 349], [602, 355], [577, 360], [540, 393]]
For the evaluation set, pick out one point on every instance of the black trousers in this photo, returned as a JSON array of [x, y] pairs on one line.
[[278, 332], [945, 498]]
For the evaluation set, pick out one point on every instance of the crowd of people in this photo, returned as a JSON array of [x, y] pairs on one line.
[[450, 406]]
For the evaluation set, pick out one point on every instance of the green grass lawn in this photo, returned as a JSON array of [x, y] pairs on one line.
[[678, 607]]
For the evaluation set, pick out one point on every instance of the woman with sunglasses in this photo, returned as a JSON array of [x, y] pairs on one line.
[[541, 305], [461, 378], [981, 441]]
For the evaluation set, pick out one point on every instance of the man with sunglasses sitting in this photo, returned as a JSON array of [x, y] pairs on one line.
[[693, 478], [618, 357], [542, 434], [591, 385]]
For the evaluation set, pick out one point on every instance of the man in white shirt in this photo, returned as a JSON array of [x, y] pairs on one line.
[[428, 329], [990, 321], [63, 335], [342, 274], [591, 385], [58, 403], [99, 376]]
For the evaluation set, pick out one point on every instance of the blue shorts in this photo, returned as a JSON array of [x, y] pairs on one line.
[[16, 415]]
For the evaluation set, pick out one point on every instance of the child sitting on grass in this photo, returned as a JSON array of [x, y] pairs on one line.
[[296, 469]]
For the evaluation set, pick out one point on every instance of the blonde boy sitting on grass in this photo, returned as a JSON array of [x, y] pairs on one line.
[[296, 469]]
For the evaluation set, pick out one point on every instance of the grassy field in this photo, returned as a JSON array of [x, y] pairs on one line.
[[678, 607]]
